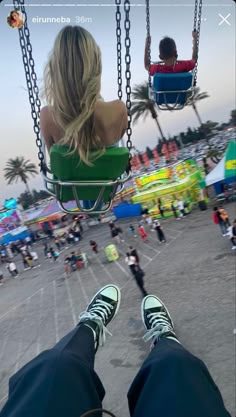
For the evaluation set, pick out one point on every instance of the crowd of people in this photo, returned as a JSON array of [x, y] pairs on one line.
[[21, 247]]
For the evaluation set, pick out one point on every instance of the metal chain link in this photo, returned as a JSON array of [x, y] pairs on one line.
[[31, 80], [128, 72], [197, 28], [195, 16], [149, 42], [118, 48]]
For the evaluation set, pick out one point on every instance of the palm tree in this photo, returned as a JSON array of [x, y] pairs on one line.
[[143, 105], [197, 96], [19, 169]]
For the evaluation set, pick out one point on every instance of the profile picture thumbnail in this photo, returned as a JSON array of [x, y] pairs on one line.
[[16, 19]]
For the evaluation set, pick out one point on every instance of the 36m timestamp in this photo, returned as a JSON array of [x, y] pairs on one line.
[[83, 19]]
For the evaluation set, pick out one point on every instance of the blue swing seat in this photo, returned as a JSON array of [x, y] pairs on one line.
[[172, 89]]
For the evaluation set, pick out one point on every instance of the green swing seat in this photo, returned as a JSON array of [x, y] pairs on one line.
[[74, 180]]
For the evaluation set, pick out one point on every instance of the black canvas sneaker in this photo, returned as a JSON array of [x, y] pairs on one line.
[[156, 320], [101, 311]]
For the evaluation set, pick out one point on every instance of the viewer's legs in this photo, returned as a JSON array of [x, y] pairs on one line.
[[61, 381], [171, 382]]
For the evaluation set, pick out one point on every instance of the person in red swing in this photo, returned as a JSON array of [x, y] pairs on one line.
[[168, 56]]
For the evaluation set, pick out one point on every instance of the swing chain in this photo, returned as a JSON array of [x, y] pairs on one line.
[[197, 28], [118, 48], [128, 72], [31, 80], [149, 40]]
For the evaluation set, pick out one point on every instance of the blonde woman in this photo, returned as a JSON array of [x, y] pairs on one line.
[[76, 115]]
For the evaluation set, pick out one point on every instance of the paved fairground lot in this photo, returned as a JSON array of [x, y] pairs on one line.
[[194, 274]]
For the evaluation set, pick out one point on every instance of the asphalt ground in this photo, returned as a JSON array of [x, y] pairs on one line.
[[194, 274]]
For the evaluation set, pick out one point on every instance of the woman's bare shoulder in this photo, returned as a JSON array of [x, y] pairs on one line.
[[45, 113], [111, 120], [113, 106]]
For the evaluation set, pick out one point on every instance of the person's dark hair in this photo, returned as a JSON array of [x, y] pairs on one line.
[[128, 254], [167, 48], [131, 247], [12, 12], [215, 208]]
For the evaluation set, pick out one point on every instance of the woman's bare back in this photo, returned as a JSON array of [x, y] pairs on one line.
[[110, 123]]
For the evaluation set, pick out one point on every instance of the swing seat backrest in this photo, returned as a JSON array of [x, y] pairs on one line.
[[66, 168], [167, 86]]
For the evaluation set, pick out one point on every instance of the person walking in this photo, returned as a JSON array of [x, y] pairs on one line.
[[57, 243], [159, 230], [45, 249], [132, 230], [224, 217], [174, 209], [54, 254], [180, 205], [131, 261], [120, 231], [139, 274], [1, 278], [218, 220], [67, 266], [9, 252], [149, 221], [134, 252], [94, 246], [115, 234], [233, 235], [160, 208], [11, 266], [73, 261], [143, 233], [28, 259]]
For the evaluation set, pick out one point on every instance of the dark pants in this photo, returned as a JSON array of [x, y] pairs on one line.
[[175, 214], [160, 235], [161, 212], [61, 382], [133, 269], [140, 284], [223, 227], [233, 240]]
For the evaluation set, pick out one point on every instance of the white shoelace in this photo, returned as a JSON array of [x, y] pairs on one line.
[[104, 310], [159, 325]]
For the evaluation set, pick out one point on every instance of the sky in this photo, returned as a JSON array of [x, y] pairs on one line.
[[216, 69]]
